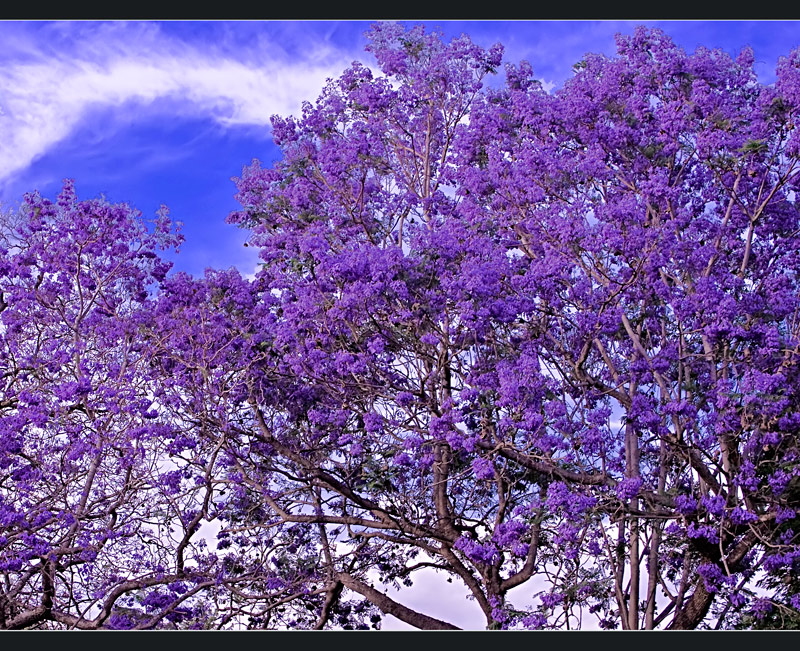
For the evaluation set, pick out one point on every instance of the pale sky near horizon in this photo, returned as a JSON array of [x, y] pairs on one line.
[[153, 113]]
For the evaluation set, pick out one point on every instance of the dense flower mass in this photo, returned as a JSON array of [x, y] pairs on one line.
[[510, 335]]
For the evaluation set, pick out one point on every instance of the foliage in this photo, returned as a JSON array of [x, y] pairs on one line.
[[87, 506]]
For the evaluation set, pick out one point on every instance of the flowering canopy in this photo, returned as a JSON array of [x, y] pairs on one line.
[[86, 502], [513, 336]]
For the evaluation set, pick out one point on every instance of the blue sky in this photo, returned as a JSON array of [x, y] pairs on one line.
[[153, 113]]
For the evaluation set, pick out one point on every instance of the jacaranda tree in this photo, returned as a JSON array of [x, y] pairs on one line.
[[527, 336], [514, 337], [94, 531]]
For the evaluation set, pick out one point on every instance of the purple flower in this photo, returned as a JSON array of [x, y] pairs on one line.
[[483, 468], [686, 504], [629, 488]]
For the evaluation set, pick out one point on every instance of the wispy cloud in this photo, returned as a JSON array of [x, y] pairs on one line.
[[54, 77]]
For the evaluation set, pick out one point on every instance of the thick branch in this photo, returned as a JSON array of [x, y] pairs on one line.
[[391, 607]]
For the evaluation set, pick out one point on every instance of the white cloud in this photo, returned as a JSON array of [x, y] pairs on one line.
[[548, 86], [47, 92]]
